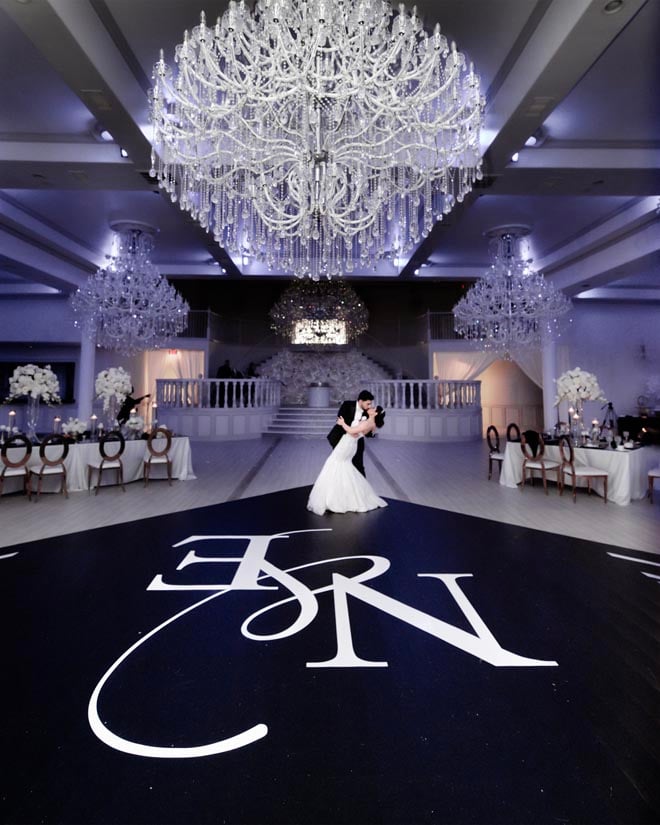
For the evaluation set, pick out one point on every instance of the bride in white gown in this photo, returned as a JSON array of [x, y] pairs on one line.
[[340, 488]]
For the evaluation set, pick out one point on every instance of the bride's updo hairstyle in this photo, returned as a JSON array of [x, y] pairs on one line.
[[380, 416]]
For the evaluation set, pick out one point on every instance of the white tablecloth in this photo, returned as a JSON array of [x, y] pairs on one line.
[[628, 469], [134, 454]]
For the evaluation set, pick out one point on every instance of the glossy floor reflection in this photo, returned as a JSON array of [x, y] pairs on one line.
[[411, 678]]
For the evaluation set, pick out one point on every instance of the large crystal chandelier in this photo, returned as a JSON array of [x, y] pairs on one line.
[[319, 313], [129, 306], [316, 136], [511, 307]]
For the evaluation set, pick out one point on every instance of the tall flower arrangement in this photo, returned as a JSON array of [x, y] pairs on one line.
[[35, 382], [113, 385], [577, 386]]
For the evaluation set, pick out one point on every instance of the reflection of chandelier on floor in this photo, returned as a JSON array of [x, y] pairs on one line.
[[319, 313], [511, 307], [311, 134], [129, 306]]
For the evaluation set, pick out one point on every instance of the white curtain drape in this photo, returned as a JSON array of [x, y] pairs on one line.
[[531, 363], [182, 363], [461, 366]]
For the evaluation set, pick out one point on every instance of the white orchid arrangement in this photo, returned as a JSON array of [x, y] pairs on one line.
[[577, 385], [36, 382], [74, 426], [135, 422], [114, 381]]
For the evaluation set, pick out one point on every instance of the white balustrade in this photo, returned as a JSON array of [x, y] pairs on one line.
[[212, 393], [400, 394]]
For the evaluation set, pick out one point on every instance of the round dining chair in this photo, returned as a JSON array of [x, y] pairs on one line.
[[513, 432], [107, 459], [50, 466], [494, 454], [533, 450], [14, 466], [155, 456], [567, 454]]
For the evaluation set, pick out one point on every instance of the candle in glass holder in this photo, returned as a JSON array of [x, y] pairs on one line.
[[12, 420], [154, 415], [57, 421], [92, 425]]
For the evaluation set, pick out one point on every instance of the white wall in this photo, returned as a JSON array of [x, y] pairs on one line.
[[606, 339]]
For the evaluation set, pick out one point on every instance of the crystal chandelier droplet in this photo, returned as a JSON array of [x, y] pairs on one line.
[[511, 307], [316, 137], [129, 306]]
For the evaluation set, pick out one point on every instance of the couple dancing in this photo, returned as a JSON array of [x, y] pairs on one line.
[[341, 486]]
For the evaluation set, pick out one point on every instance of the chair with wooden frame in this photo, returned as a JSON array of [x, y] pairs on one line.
[[12, 467], [653, 474], [107, 461], [534, 459], [494, 454], [513, 432], [50, 466], [568, 467], [155, 456]]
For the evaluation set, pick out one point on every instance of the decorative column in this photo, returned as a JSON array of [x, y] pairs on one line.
[[85, 383], [549, 366]]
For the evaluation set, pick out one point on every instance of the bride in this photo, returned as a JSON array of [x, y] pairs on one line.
[[340, 488]]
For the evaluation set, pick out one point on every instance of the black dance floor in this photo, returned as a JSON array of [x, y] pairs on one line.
[[253, 663]]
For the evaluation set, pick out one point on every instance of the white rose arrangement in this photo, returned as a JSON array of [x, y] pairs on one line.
[[35, 382], [576, 386], [74, 426], [114, 381]]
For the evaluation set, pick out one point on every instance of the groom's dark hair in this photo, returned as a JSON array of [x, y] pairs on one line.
[[380, 416], [365, 395]]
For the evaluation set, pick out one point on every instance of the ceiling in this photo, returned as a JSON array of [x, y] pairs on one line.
[[584, 80]]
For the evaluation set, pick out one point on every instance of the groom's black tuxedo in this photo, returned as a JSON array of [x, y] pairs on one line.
[[347, 412]]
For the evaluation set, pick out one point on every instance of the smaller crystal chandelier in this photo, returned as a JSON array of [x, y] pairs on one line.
[[319, 312], [511, 307], [129, 306]]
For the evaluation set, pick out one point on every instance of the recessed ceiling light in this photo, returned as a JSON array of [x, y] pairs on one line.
[[613, 6], [123, 153], [515, 156], [531, 141]]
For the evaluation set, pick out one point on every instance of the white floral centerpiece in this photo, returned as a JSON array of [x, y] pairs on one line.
[[35, 382], [135, 423], [113, 384], [578, 386], [74, 426]]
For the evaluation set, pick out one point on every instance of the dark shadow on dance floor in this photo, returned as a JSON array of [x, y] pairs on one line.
[[437, 736]]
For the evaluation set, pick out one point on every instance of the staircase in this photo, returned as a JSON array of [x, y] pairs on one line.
[[302, 422]]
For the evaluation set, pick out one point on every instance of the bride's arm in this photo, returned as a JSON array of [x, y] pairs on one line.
[[359, 429]]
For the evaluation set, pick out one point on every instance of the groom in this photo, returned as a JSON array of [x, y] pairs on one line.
[[353, 412]]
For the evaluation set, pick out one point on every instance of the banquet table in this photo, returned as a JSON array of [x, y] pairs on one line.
[[80, 454], [628, 469]]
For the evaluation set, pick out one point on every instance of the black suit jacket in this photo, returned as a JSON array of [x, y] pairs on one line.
[[347, 412]]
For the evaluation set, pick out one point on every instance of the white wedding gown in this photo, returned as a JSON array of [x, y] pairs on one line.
[[340, 488]]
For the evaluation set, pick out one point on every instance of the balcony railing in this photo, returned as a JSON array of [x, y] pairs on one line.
[[212, 393], [426, 394]]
